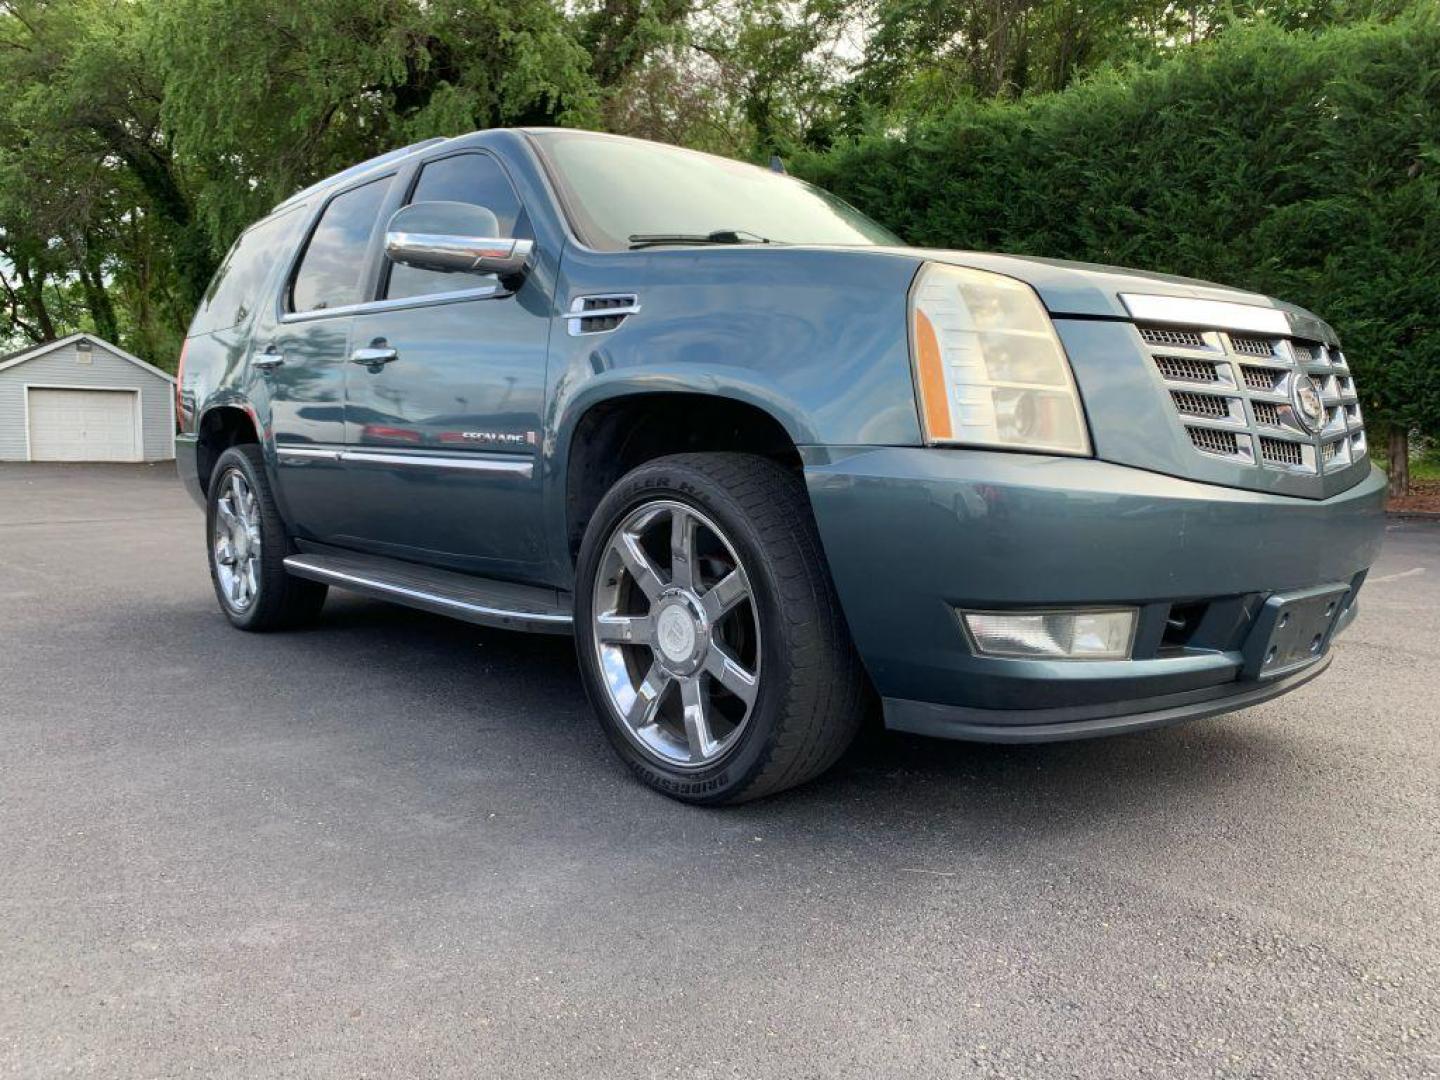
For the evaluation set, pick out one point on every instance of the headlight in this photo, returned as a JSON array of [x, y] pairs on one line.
[[989, 369]]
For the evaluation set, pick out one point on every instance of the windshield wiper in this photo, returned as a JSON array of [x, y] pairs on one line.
[[719, 236]]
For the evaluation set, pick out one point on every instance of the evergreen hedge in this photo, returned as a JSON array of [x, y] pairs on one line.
[[1306, 166]]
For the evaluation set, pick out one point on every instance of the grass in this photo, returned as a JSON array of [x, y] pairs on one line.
[[1424, 468]]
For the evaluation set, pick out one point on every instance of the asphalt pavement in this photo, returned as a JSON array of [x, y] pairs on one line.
[[395, 845]]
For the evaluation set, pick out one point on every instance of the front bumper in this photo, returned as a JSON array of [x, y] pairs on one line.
[[912, 534]]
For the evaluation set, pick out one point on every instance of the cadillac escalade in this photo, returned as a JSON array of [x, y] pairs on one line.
[[770, 467]]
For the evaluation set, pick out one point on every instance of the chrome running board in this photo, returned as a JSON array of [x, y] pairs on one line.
[[476, 600]]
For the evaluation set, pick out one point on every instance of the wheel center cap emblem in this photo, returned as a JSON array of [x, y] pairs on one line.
[[1308, 405], [675, 634]]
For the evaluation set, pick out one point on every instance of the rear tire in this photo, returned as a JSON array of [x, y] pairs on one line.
[[247, 543], [710, 638]]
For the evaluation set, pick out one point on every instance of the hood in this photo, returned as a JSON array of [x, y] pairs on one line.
[[1089, 290]]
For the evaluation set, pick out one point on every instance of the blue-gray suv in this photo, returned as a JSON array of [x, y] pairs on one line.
[[772, 468]]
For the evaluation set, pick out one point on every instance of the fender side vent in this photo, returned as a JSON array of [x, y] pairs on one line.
[[600, 314]]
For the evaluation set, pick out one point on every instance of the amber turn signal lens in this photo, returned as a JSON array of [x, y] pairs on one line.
[[931, 373]]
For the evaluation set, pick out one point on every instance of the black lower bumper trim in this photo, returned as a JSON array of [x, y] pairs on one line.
[[1056, 725]]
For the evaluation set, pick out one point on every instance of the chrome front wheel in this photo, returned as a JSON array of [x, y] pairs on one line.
[[676, 634], [693, 568], [235, 543]]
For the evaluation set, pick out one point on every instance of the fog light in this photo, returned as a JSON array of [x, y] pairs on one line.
[[1053, 635]]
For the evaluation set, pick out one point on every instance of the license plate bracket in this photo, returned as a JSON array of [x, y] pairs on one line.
[[1293, 630]]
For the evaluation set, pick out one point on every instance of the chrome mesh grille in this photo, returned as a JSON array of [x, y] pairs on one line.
[[1253, 346], [1281, 451], [1266, 412], [1200, 404], [1160, 335], [1214, 441], [1181, 369], [1248, 410], [1267, 380]]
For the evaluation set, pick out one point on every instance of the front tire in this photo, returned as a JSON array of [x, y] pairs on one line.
[[247, 543], [710, 639]]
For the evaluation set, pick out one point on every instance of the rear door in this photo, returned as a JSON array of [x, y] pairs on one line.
[[300, 360], [443, 434]]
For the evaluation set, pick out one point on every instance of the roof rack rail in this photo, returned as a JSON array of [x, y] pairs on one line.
[[356, 170]]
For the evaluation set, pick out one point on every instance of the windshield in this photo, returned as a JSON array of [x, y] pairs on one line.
[[616, 188]]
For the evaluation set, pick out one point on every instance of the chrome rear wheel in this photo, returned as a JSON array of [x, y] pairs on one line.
[[246, 543], [676, 634], [235, 543]]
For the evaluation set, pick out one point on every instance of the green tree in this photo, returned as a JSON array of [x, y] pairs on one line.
[[325, 84], [621, 35], [1302, 165], [137, 137], [87, 169]]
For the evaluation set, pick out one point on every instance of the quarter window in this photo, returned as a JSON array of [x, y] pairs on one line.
[[331, 270], [234, 292], [469, 178]]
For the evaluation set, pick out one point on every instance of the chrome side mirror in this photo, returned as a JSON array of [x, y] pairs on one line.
[[454, 238]]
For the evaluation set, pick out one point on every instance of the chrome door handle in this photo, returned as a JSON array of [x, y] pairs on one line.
[[269, 359], [373, 356]]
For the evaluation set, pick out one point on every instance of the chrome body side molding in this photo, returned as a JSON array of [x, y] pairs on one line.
[[399, 303], [492, 466], [289, 455], [495, 466]]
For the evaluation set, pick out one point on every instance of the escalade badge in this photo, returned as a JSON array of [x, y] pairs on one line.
[[508, 438], [1305, 396]]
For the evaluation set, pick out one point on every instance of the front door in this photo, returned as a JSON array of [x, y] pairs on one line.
[[443, 399]]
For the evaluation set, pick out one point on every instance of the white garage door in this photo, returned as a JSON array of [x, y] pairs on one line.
[[82, 425]]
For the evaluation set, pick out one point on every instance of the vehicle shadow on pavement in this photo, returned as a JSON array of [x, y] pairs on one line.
[[520, 695]]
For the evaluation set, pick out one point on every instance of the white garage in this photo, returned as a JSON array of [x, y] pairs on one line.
[[82, 399]]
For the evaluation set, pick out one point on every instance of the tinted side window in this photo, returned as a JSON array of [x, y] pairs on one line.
[[329, 274], [467, 178], [234, 291]]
